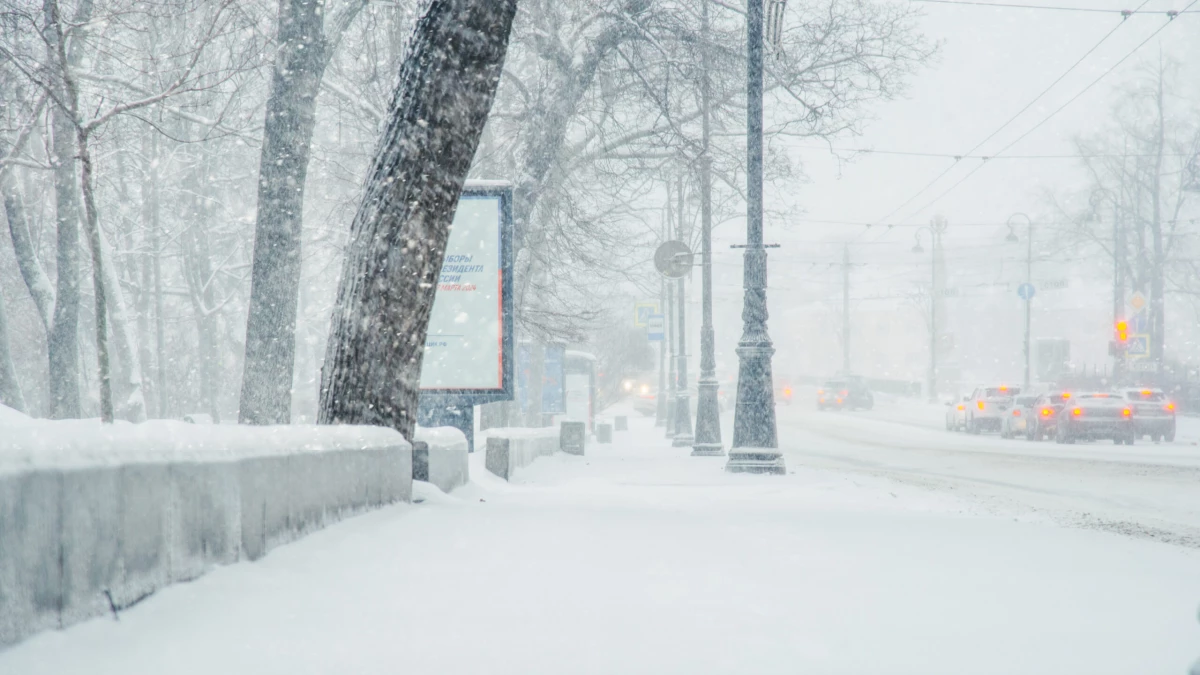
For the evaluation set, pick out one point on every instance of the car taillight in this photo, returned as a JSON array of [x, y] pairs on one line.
[[1066, 395], [980, 404], [844, 392], [787, 391], [1170, 407], [820, 391], [839, 400], [1046, 412], [962, 407], [1126, 412], [1077, 412]]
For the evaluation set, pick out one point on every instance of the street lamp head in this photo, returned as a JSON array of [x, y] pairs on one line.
[[1012, 237], [917, 248]]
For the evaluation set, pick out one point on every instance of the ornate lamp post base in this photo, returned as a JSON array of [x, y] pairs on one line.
[[683, 422], [756, 460], [708, 421], [755, 443]]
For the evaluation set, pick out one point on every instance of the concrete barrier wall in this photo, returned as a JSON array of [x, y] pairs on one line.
[[95, 517], [523, 447], [448, 465]]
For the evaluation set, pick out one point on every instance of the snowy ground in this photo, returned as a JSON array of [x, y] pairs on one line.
[[640, 559], [1147, 490]]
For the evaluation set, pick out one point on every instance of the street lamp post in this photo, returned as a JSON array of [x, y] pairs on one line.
[[708, 409], [935, 229], [1027, 293], [755, 438]]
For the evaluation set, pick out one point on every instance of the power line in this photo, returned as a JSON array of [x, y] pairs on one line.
[[1011, 119], [947, 155], [1057, 110], [1055, 8]]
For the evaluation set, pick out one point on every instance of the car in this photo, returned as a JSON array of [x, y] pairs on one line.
[[1043, 419], [1094, 416], [1018, 419], [783, 394], [1153, 413], [646, 399], [845, 393], [956, 414], [987, 407]]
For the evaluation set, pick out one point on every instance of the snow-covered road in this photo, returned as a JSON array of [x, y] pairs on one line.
[[1147, 490], [640, 559]]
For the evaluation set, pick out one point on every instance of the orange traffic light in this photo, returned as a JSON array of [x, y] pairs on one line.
[[1122, 331]]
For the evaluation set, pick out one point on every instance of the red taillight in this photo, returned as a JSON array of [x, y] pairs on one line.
[[1066, 395], [1077, 412], [787, 391], [839, 400], [844, 392], [1047, 412], [1170, 407], [980, 404], [1016, 413], [961, 407], [820, 391], [1127, 412]]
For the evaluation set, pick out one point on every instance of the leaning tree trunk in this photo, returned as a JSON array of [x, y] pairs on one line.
[[398, 237]]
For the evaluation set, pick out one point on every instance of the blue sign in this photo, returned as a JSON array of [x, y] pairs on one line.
[[554, 375], [1140, 323], [1026, 291], [643, 311], [656, 328]]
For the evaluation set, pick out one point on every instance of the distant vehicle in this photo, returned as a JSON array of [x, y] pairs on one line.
[[1043, 419], [846, 393], [956, 414], [1019, 417], [1153, 413], [645, 398], [987, 407], [1095, 416], [783, 394]]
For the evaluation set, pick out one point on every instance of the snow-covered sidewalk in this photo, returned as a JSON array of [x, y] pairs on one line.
[[640, 559]]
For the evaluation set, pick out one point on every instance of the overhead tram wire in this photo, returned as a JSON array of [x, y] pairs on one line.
[[1055, 8], [1004, 126], [1057, 110]]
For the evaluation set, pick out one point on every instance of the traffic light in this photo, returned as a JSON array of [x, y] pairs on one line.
[[1122, 332]]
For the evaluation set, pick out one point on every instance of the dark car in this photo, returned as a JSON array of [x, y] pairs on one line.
[[1095, 416], [1043, 417], [1153, 413], [845, 394]]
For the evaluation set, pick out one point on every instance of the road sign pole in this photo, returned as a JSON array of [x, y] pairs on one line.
[[1028, 298]]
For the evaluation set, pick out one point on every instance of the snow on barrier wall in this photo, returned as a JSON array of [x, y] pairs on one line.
[[518, 447], [448, 465], [94, 518]]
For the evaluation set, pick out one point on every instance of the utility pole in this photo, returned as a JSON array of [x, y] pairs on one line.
[[673, 326], [1028, 302], [936, 228], [1118, 289], [660, 399], [683, 406], [708, 409], [846, 309], [755, 438]]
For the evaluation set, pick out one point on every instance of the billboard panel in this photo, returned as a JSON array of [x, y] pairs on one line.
[[469, 343]]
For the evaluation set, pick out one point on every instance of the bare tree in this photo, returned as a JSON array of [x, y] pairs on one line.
[[305, 46]]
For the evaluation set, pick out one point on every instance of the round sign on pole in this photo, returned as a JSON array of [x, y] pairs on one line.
[[1026, 291], [673, 259]]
